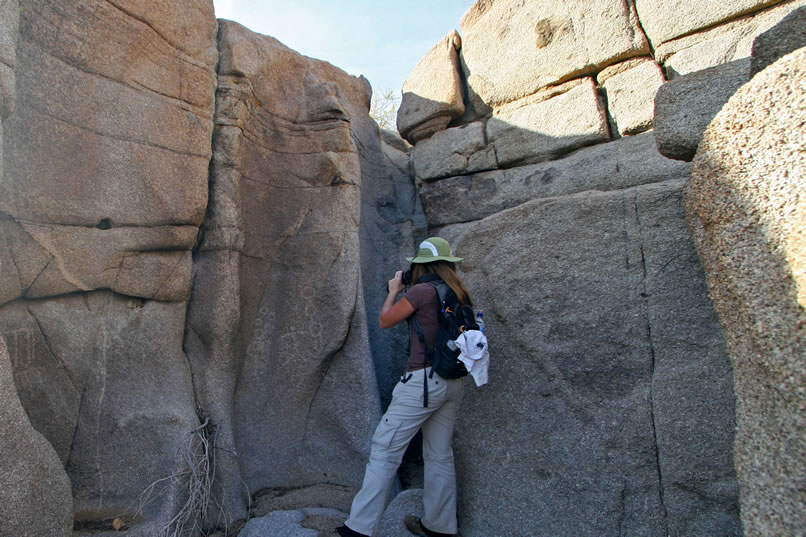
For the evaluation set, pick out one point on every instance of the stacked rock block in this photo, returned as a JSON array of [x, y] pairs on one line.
[[580, 75], [559, 178]]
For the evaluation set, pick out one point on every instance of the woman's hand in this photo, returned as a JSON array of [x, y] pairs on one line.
[[391, 312], [395, 285]]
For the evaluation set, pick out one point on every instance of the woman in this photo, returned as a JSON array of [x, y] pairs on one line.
[[407, 413]]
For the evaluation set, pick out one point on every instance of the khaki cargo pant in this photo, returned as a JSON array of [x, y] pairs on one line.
[[398, 426]]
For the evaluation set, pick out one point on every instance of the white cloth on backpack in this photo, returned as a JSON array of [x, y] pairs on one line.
[[474, 354]]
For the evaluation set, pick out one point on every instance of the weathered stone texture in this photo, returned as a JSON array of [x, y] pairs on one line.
[[783, 38], [692, 380], [210, 344], [408, 502], [511, 48], [9, 26], [107, 192], [587, 329], [286, 523], [721, 44], [616, 165], [162, 266], [392, 138], [150, 118], [307, 207], [455, 151], [105, 380], [35, 498], [104, 187], [9, 23], [746, 207], [686, 105], [432, 95], [150, 262], [664, 20], [630, 90], [392, 221], [291, 173], [547, 125], [12, 263]]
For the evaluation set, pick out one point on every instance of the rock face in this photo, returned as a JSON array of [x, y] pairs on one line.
[[104, 378], [590, 396], [629, 88], [530, 230], [746, 207], [197, 225], [303, 200], [686, 105], [305, 367], [617, 165], [392, 220], [121, 152], [721, 43], [104, 188], [118, 223], [785, 37], [35, 492], [134, 308], [510, 48], [9, 30], [35, 498], [432, 95], [453, 152], [530, 130], [664, 20], [11, 284]]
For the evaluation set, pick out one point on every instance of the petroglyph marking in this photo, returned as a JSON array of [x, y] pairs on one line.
[[20, 346]]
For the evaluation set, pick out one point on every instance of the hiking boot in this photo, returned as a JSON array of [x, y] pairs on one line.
[[414, 525], [344, 531]]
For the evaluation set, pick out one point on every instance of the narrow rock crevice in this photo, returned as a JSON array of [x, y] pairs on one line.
[[645, 296], [22, 286], [52, 351], [640, 24], [622, 515], [81, 403], [36, 279]]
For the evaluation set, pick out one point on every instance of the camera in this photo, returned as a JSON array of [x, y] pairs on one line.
[[405, 278]]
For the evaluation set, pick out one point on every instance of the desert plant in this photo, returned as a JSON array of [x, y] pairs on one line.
[[194, 482], [384, 108]]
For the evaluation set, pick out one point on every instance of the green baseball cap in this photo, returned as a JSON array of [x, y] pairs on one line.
[[434, 249]]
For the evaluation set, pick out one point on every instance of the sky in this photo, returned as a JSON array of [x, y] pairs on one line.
[[380, 39]]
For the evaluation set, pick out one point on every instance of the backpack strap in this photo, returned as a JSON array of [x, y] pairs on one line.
[[429, 356], [442, 291]]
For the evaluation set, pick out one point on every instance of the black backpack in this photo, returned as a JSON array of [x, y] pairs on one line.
[[453, 318]]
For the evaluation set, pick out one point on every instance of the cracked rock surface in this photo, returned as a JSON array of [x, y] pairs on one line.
[[197, 225]]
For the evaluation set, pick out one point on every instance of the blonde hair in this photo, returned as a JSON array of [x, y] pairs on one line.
[[447, 273]]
